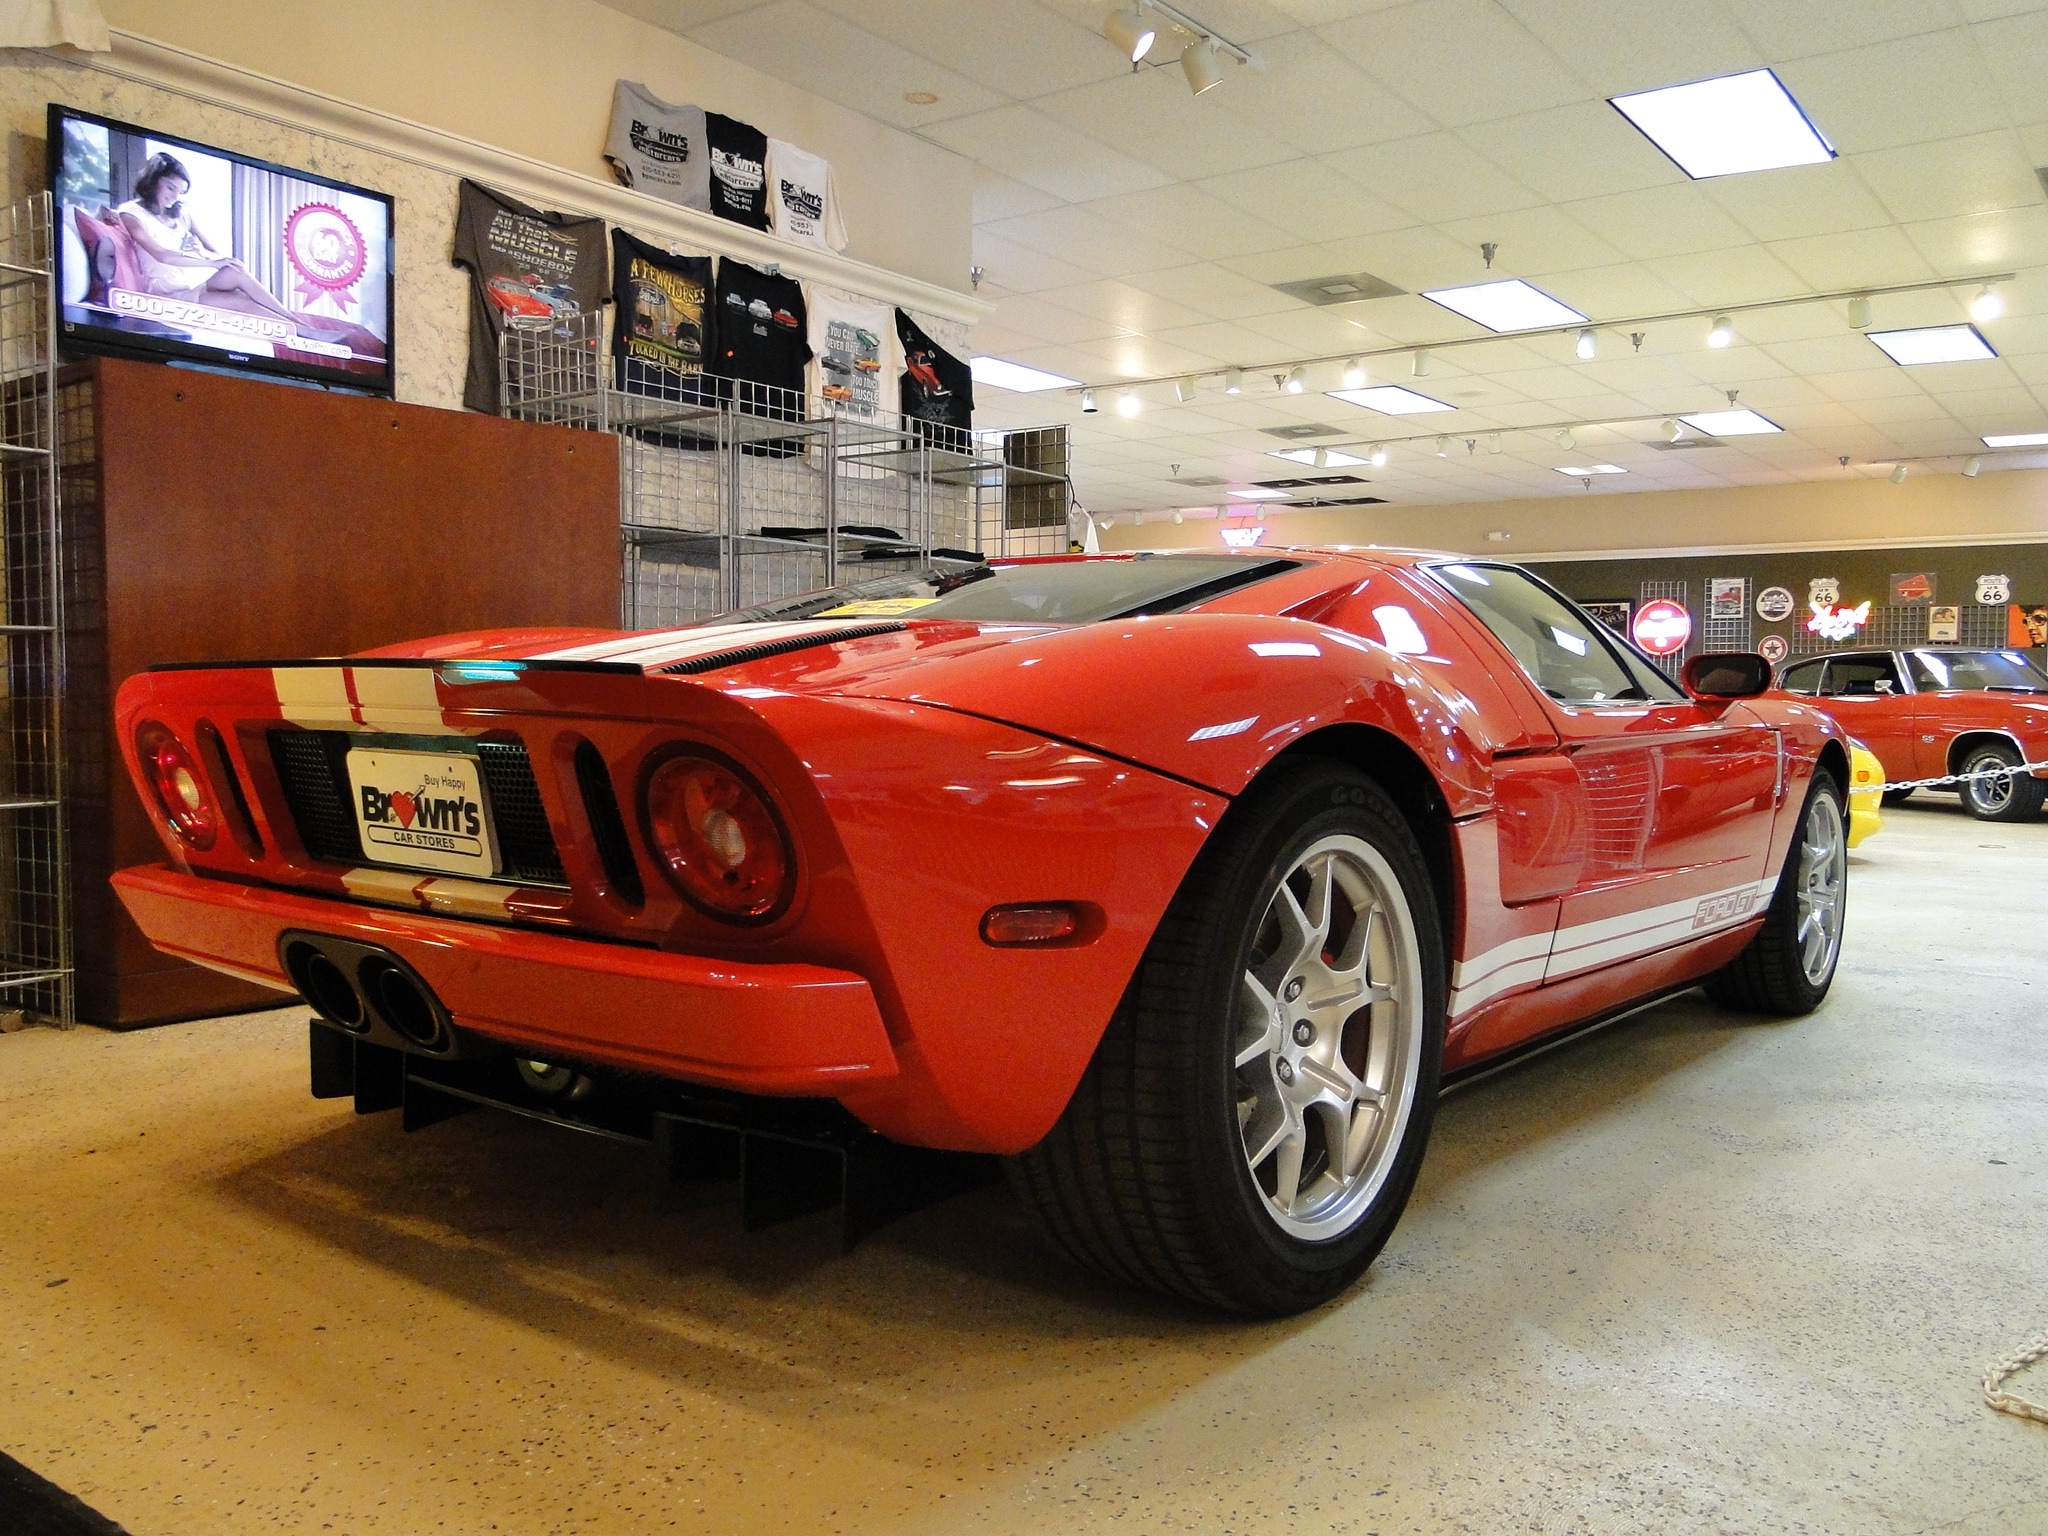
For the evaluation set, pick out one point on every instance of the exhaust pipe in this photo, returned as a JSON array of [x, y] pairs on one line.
[[369, 992]]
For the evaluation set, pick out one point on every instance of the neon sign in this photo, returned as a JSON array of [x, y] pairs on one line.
[[1833, 623], [1243, 538]]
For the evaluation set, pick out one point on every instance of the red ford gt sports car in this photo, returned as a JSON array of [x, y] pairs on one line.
[[1181, 879], [1941, 710]]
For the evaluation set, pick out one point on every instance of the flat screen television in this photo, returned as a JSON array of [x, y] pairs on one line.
[[172, 249]]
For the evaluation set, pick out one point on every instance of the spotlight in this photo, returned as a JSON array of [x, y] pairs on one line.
[[1859, 312], [1233, 382], [1566, 440], [1178, 519], [1320, 459], [1260, 514], [1184, 390], [1087, 402], [1672, 430], [1297, 380], [1722, 333], [1199, 63], [1988, 305], [1443, 447], [1354, 374], [1128, 31], [1493, 443], [1589, 347], [1377, 457], [1420, 367], [1971, 466], [1128, 404], [1899, 474]]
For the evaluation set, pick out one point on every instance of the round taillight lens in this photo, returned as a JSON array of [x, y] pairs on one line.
[[181, 791], [719, 839]]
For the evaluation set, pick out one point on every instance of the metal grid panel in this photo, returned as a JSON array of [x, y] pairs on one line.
[[1677, 592], [35, 875], [1903, 624], [1731, 633]]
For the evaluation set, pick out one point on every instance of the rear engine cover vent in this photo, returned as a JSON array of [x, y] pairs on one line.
[[1342, 288]]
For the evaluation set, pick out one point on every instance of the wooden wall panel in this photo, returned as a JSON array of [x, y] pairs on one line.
[[218, 518]]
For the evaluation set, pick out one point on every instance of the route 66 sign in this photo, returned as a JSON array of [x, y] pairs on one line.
[[1824, 591], [1994, 591]]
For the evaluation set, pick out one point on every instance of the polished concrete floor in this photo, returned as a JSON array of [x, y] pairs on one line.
[[1691, 1275]]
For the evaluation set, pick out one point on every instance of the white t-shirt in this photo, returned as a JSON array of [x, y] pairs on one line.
[[803, 199], [856, 355]]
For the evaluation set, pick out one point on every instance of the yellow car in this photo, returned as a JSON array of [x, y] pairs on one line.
[[1866, 791]]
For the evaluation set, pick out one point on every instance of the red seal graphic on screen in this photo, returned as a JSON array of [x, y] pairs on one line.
[[1662, 627], [326, 250]]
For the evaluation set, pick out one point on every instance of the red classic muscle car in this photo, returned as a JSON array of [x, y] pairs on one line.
[[1181, 880], [1940, 710]]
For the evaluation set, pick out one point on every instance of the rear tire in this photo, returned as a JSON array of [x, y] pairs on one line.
[[2006, 797], [1788, 967], [1252, 1123]]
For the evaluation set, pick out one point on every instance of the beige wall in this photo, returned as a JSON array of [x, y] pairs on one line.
[[1927, 509], [535, 77]]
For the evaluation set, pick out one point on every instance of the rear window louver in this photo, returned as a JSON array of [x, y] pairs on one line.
[[740, 655]]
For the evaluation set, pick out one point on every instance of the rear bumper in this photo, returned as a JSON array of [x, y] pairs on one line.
[[773, 1029]]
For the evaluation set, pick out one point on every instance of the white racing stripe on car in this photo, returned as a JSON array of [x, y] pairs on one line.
[[382, 698], [1586, 946], [682, 645], [313, 697]]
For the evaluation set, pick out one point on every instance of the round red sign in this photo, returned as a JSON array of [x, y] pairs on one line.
[[1662, 627]]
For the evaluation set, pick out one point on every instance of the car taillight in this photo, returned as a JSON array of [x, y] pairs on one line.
[[180, 788], [719, 839]]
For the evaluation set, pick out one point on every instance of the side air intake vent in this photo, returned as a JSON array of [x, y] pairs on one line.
[[601, 806]]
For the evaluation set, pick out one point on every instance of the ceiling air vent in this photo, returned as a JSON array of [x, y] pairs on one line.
[[1297, 484], [1686, 443], [1200, 480], [1344, 288], [1303, 429], [1341, 501]]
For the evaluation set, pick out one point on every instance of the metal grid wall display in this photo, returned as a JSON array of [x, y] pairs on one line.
[[1677, 592], [35, 874], [1726, 632], [1903, 624], [734, 494]]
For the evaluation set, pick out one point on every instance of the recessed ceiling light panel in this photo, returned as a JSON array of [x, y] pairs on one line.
[[2017, 440], [1507, 306], [1742, 423], [1933, 344], [1725, 126], [1319, 457], [1017, 378], [1390, 400], [1580, 471], [1259, 494]]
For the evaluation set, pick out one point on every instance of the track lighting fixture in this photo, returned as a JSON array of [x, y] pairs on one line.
[[1494, 444], [1898, 474], [1988, 305], [1184, 390], [1128, 404], [1377, 456], [1320, 459], [1971, 466], [1722, 333], [1087, 402], [1859, 312], [1565, 439], [1443, 447], [1296, 380], [1671, 429], [1233, 382], [1420, 367], [1260, 514], [1354, 374], [1199, 63], [1178, 520], [1128, 30], [1588, 347]]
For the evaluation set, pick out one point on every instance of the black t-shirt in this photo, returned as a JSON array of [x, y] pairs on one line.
[[937, 388], [662, 336], [762, 346], [739, 170], [524, 263]]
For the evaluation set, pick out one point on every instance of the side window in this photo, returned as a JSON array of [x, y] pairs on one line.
[[1804, 678], [1930, 673], [1559, 647], [1862, 677]]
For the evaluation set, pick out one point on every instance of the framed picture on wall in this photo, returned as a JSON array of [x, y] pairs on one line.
[[1615, 615]]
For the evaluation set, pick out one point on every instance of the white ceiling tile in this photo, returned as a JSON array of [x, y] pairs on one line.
[[1152, 117], [1072, 231], [1205, 227], [1046, 153], [1309, 200], [1310, 96], [1867, 259], [1906, 92], [1652, 43], [1126, 308], [1978, 174], [1987, 242], [1615, 293], [1410, 259], [1460, 61], [1660, 221], [1743, 275], [1214, 290], [997, 196], [1049, 324], [1824, 26], [1012, 268], [1534, 241], [1436, 177], [1799, 200], [1585, 149], [1016, 50], [1833, 354]]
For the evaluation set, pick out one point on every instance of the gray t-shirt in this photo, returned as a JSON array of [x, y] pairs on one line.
[[659, 148]]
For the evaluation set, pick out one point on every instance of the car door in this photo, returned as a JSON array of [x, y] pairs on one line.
[[1868, 697], [1680, 795]]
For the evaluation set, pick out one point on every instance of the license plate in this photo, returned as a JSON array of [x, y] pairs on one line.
[[423, 810]]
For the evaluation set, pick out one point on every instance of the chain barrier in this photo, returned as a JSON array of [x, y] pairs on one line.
[[1999, 1371], [2002, 771]]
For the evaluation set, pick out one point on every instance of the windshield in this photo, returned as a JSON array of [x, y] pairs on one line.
[[1029, 592], [1569, 655], [1977, 672]]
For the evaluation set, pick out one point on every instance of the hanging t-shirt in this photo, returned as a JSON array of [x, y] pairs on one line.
[[855, 355], [661, 338], [659, 148], [538, 267], [762, 346], [937, 388], [739, 170], [803, 198]]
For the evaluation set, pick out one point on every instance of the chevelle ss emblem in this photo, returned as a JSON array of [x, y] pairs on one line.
[[1720, 909]]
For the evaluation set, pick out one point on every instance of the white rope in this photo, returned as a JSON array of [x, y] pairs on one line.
[[1999, 1371]]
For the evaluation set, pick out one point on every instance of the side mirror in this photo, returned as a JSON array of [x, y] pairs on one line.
[[1726, 675]]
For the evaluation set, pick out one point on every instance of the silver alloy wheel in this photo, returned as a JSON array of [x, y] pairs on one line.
[[1329, 1037], [1992, 794], [1823, 864]]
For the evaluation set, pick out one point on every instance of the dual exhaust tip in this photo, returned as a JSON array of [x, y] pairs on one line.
[[368, 992]]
